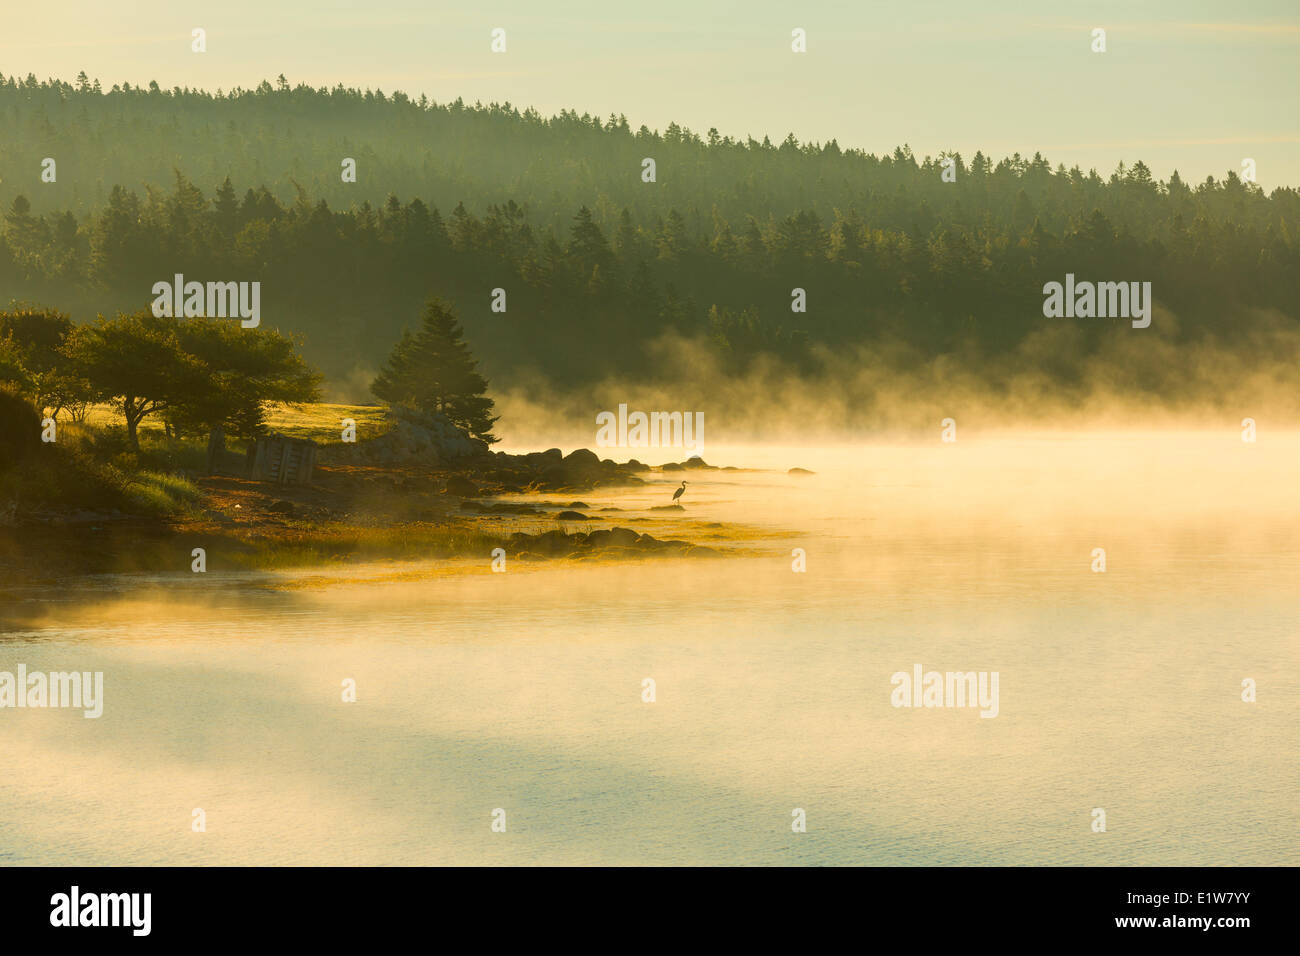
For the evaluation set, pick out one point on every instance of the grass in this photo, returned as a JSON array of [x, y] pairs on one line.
[[92, 466], [340, 544], [158, 494], [324, 422]]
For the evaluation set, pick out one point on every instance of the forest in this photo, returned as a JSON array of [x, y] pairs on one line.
[[456, 201]]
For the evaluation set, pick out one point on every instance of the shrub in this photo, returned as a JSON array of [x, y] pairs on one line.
[[20, 427]]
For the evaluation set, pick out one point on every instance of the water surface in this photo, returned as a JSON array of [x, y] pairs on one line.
[[523, 691]]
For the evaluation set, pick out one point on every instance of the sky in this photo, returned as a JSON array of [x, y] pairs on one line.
[[1189, 85]]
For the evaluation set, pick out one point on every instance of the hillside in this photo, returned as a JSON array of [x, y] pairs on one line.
[[598, 265]]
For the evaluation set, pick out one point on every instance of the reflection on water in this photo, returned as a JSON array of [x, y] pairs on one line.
[[522, 690]]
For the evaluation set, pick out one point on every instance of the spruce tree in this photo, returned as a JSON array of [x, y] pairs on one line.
[[432, 370]]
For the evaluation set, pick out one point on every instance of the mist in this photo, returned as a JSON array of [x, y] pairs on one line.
[[1133, 379]]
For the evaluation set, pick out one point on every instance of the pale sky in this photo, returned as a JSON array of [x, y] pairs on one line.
[[1187, 84]]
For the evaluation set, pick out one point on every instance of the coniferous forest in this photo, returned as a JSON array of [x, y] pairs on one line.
[[644, 435], [456, 200]]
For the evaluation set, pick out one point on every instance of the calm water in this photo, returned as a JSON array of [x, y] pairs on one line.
[[522, 690]]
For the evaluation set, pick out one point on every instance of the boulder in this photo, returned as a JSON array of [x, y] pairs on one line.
[[622, 537], [460, 487], [553, 477], [700, 551], [571, 516], [427, 437], [582, 458], [581, 466], [552, 542]]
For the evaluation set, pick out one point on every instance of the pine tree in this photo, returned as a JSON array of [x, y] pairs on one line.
[[433, 370], [226, 209]]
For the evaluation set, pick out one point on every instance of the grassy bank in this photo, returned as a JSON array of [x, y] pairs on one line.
[[89, 504]]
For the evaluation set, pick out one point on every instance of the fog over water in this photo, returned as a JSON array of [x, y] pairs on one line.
[[523, 691]]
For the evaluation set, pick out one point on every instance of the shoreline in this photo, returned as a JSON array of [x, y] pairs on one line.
[[354, 512]]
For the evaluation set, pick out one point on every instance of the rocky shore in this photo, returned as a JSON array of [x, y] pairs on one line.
[[430, 440], [421, 488]]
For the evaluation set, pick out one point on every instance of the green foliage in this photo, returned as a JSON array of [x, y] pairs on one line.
[[61, 475], [597, 264], [138, 361], [39, 333], [20, 428], [433, 371], [159, 494], [13, 370], [31, 356], [198, 374], [244, 369]]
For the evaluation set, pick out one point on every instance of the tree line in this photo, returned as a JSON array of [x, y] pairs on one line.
[[457, 201], [210, 377]]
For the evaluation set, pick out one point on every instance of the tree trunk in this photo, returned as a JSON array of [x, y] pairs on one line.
[[216, 449]]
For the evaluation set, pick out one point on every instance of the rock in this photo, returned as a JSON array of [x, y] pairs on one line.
[[671, 466], [552, 542], [800, 471], [622, 537], [281, 508], [578, 504], [667, 508], [460, 487], [581, 458], [571, 516], [695, 461], [428, 437], [582, 467]]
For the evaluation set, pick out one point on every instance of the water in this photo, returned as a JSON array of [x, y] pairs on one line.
[[522, 691]]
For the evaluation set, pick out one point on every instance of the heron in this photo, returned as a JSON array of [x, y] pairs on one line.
[[678, 493]]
